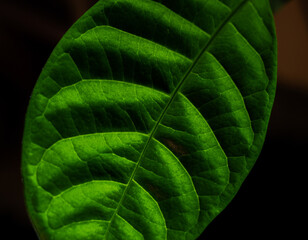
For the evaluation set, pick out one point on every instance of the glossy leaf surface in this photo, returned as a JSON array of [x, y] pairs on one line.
[[147, 118]]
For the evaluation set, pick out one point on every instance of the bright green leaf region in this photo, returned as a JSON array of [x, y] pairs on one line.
[[147, 118]]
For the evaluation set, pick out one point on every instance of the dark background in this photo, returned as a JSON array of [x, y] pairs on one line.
[[272, 199]]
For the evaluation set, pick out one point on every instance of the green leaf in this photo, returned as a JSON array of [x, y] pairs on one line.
[[147, 118]]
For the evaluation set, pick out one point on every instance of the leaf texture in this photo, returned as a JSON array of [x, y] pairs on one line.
[[147, 118]]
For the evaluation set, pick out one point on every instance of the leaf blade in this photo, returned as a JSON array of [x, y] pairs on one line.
[[199, 134]]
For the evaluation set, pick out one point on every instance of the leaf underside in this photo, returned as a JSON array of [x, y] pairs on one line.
[[147, 118]]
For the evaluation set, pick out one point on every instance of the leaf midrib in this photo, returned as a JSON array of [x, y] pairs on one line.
[[172, 97]]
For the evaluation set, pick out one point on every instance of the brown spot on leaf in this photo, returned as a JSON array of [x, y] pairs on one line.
[[156, 192], [175, 147]]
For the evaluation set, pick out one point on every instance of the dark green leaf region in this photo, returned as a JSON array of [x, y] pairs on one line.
[[147, 118]]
